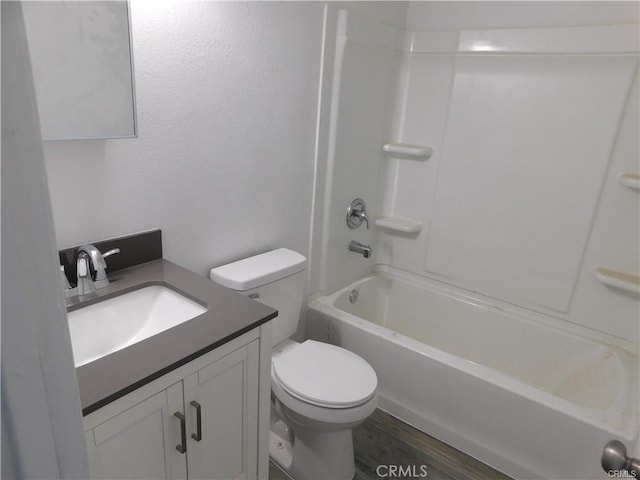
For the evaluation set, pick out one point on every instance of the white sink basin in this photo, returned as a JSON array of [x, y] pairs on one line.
[[110, 325]]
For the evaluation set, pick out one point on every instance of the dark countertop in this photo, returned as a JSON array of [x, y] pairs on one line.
[[229, 315]]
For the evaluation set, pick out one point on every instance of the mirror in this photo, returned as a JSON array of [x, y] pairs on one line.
[[82, 68]]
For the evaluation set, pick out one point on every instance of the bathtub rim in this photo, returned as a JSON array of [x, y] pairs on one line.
[[629, 431], [491, 303]]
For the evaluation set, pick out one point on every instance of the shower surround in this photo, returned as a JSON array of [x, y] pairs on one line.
[[499, 168]]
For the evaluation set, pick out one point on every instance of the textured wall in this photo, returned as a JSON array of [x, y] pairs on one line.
[[226, 96]]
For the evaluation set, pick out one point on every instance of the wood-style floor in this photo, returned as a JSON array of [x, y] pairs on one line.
[[383, 440]]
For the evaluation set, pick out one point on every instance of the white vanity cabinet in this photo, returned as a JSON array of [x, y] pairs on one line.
[[154, 432]]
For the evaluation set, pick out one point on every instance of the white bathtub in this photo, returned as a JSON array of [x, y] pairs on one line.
[[529, 399]]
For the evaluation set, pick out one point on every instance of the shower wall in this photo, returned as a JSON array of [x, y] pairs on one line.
[[528, 196], [522, 199], [360, 65]]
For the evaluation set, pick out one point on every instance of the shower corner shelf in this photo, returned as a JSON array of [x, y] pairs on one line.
[[397, 224], [405, 150], [623, 281], [630, 180]]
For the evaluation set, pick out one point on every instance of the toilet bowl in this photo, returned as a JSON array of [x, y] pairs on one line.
[[320, 392]]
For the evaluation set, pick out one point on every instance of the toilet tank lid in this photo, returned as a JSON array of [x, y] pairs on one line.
[[259, 270]]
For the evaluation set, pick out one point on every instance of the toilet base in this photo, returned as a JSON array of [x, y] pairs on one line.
[[323, 455], [314, 455], [281, 445], [310, 453]]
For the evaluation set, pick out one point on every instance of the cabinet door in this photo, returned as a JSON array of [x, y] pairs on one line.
[[139, 443], [227, 393]]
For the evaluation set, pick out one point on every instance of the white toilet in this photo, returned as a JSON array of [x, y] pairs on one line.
[[319, 391]]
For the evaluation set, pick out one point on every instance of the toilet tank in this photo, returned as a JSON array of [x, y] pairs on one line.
[[275, 278]]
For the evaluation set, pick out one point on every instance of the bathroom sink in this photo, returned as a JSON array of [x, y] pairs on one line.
[[111, 325]]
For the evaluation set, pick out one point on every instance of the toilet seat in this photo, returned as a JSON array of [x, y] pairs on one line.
[[324, 375]]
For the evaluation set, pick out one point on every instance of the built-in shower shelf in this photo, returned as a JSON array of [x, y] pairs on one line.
[[397, 224], [405, 150], [623, 281], [630, 180]]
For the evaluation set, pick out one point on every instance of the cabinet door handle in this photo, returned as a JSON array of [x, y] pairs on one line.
[[197, 436], [182, 447]]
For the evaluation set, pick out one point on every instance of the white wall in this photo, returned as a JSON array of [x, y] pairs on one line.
[[226, 96], [41, 413], [512, 14]]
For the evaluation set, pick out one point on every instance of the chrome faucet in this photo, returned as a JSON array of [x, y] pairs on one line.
[[357, 213], [84, 283], [364, 250], [90, 255]]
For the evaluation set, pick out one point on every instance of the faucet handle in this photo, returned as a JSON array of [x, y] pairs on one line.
[[357, 213], [364, 218], [101, 274], [110, 252]]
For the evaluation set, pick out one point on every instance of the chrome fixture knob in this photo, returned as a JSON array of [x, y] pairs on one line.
[[614, 459], [357, 213]]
